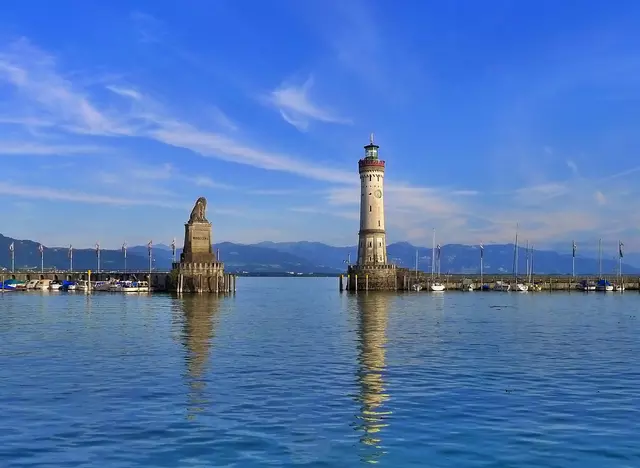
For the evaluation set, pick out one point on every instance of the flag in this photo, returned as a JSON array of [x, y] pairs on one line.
[[438, 251], [574, 249], [124, 249], [11, 247], [41, 249], [70, 250], [149, 245], [97, 249], [620, 248], [173, 246], [481, 250]]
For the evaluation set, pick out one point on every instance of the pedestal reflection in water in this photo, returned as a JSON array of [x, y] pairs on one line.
[[200, 322], [372, 325]]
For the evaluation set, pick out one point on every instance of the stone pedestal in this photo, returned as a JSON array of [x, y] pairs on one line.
[[201, 278], [198, 271], [197, 243]]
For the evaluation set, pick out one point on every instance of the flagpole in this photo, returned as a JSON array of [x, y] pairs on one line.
[[173, 250], [70, 258], [12, 248], [41, 259], [573, 260], [98, 256], [149, 246], [124, 252], [620, 245], [481, 265]]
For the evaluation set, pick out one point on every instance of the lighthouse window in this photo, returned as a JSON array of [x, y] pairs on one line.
[[370, 245], [369, 208], [369, 178], [378, 223]]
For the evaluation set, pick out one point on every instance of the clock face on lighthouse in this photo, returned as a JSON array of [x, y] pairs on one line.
[[378, 193]]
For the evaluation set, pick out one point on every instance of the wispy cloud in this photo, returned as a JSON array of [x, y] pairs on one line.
[[149, 28], [9, 148], [223, 120], [296, 107], [573, 167], [125, 92], [34, 75], [159, 180], [44, 193]]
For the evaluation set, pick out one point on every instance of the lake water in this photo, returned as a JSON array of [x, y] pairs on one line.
[[291, 372]]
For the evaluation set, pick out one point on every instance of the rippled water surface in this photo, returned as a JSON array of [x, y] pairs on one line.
[[291, 372]]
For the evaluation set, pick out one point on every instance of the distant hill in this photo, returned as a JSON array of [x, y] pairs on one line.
[[27, 255], [313, 257]]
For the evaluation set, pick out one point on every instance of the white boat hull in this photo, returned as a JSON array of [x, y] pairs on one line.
[[521, 287], [437, 287]]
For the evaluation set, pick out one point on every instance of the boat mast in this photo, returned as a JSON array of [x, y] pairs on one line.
[[433, 253], [515, 256], [531, 267], [526, 254], [600, 258], [416, 264]]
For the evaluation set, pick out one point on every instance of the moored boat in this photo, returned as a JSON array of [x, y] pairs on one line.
[[521, 287], [43, 284], [501, 286], [13, 285], [585, 285], [604, 285], [436, 287], [130, 286]]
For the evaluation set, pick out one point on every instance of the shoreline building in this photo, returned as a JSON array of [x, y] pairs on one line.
[[372, 270]]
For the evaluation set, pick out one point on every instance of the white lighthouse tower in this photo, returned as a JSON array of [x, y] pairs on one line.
[[372, 245]]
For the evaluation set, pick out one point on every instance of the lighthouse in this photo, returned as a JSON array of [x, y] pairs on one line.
[[372, 239]]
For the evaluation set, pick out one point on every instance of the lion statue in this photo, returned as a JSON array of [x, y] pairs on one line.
[[198, 212]]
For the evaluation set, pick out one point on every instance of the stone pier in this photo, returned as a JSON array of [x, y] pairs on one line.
[[198, 270]]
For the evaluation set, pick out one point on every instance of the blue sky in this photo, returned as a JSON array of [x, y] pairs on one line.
[[115, 118]]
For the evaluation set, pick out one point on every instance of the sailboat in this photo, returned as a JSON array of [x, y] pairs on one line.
[[417, 286], [435, 285], [602, 284], [521, 287]]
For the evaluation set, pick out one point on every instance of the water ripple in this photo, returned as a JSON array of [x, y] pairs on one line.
[[290, 372]]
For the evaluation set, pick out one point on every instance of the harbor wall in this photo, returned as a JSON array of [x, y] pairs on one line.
[[358, 279], [159, 281]]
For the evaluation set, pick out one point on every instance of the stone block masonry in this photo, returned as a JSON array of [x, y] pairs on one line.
[[198, 270]]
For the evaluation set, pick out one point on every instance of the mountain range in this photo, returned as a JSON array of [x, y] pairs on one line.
[[314, 257]]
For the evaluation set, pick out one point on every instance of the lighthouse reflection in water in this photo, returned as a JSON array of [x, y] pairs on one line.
[[373, 417]]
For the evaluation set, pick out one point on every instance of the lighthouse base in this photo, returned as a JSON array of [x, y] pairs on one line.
[[373, 278]]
